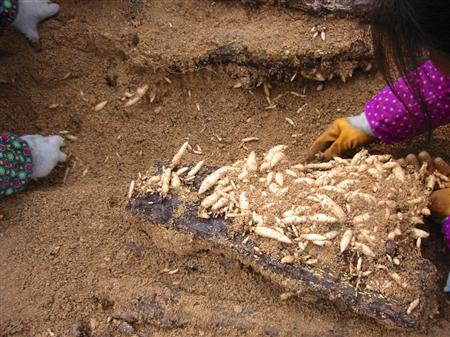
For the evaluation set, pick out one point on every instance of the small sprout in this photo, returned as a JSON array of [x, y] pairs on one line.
[[364, 249], [360, 219], [417, 233], [131, 189], [291, 173], [221, 203], [175, 182], [177, 157], [322, 243], [140, 93], [313, 237], [279, 179], [192, 173], [290, 121], [250, 139], [213, 178], [327, 202], [100, 106], [210, 200], [331, 235], [244, 203], [165, 181], [288, 259], [396, 277], [425, 211], [419, 243], [319, 166], [182, 171], [285, 296], [399, 173], [413, 305], [311, 261], [359, 264], [72, 138], [277, 157], [270, 233], [345, 241]]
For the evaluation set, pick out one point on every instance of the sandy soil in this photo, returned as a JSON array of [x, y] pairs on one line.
[[70, 256]]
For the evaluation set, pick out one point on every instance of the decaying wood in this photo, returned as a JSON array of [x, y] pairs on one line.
[[304, 280], [319, 7]]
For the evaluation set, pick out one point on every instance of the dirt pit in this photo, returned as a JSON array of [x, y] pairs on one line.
[[72, 260]]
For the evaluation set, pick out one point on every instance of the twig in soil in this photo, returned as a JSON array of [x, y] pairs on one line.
[[131, 189], [290, 121], [301, 108], [66, 174]]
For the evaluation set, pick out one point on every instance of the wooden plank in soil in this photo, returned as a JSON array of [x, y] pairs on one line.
[[302, 280]]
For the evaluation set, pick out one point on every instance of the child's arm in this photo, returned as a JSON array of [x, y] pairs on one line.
[[25, 15], [390, 121], [387, 119], [22, 158]]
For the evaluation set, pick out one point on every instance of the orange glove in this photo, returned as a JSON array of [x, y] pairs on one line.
[[440, 199], [338, 139]]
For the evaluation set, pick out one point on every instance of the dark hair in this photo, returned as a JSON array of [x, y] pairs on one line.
[[403, 32]]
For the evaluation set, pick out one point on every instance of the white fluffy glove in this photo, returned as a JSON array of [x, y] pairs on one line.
[[45, 153], [30, 14]]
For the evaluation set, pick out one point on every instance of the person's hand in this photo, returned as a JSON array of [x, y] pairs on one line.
[[440, 199], [345, 134], [30, 14], [45, 153]]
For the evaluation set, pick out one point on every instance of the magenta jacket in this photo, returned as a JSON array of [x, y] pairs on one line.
[[391, 122]]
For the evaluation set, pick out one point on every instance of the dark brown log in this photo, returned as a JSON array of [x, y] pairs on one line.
[[300, 279], [260, 67], [355, 8]]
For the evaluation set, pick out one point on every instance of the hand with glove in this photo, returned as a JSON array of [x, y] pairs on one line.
[[45, 152], [25, 15], [344, 135], [23, 158], [440, 199], [388, 118]]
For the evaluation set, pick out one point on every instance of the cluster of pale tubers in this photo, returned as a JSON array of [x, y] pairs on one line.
[[318, 204]]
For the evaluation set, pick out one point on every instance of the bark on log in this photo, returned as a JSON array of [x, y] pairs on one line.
[[302, 280], [357, 8]]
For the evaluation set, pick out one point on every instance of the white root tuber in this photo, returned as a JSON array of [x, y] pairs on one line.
[[270, 233], [193, 172], [345, 241], [213, 178], [177, 157], [252, 164]]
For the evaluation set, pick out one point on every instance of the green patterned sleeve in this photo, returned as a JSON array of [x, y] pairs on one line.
[[8, 11], [15, 164]]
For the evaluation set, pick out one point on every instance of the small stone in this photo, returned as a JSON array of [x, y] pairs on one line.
[[79, 330], [238, 309], [194, 267], [127, 316], [105, 302], [125, 328], [391, 247]]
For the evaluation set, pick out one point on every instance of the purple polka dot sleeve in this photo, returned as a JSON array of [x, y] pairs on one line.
[[446, 232], [391, 122]]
